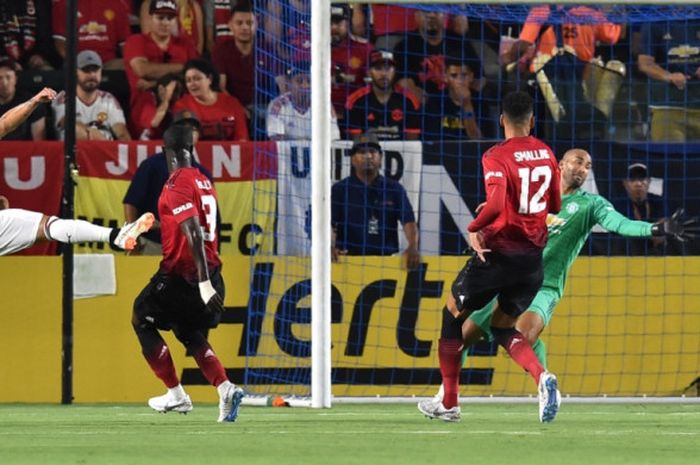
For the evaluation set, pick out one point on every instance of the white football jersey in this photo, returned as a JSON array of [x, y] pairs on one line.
[[104, 112], [285, 121]]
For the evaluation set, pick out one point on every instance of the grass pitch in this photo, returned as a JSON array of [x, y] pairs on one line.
[[589, 434]]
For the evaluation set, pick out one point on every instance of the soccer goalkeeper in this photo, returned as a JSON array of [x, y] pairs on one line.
[[568, 231]]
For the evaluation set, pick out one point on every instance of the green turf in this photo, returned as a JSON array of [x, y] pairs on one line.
[[363, 434]]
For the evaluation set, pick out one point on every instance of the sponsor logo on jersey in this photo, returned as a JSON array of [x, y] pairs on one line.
[[554, 223], [531, 155], [683, 51], [493, 174], [182, 208]]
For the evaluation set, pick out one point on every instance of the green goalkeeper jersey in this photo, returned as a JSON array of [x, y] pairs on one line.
[[569, 229]]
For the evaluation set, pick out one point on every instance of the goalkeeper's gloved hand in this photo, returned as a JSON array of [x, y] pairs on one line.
[[212, 300], [675, 227]]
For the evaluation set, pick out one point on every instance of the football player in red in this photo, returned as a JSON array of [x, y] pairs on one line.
[[521, 175], [186, 294]]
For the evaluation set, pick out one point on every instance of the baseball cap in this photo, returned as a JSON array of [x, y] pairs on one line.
[[187, 117], [637, 171], [7, 62], [339, 13], [381, 56], [163, 7], [88, 58], [366, 140]]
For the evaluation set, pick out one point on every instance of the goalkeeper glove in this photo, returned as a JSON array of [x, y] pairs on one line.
[[675, 227]]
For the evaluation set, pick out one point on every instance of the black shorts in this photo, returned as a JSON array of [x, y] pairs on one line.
[[170, 303], [515, 279]]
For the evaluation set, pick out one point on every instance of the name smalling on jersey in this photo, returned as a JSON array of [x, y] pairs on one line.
[[531, 155]]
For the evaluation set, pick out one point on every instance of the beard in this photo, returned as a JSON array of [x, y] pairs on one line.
[[89, 86]]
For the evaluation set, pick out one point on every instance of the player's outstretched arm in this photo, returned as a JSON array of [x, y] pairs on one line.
[[16, 116], [676, 227], [193, 232]]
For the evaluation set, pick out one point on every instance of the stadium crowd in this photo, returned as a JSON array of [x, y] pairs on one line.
[[408, 74]]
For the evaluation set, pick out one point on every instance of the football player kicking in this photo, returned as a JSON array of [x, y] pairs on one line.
[[186, 294], [568, 231], [508, 237], [21, 229]]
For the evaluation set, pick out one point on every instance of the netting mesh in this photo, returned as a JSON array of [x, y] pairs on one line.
[[430, 85]]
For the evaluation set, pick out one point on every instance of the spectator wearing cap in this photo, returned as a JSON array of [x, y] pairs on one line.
[[151, 110], [98, 115], [391, 111], [289, 115], [638, 204], [34, 127], [452, 114], [222, 115], [151, 55], [637, 187], [103, 27], [420, 58], [189, 24], [367, 207], [349, 59], [148, 181]]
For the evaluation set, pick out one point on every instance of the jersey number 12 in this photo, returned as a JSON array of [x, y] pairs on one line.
[[535, 204]]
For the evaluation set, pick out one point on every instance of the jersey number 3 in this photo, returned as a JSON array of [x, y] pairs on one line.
[[209, 209], [527, 176]]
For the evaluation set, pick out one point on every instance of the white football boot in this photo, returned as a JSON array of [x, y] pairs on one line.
[[169, 403], [130, 232], [549, 397], [433, 408], [230, 402]]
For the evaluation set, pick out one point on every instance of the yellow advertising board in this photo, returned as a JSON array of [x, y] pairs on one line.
[[626, 326]]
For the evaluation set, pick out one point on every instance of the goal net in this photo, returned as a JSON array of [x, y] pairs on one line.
[[428, 80]]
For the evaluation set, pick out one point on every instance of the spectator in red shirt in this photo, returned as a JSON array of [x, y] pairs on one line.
[[234, 57], [150, 56], [190, 21], [222, 115], [349, 59], [103, 26], [150, 111]]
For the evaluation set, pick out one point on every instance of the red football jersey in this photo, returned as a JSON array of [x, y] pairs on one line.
[[525, 173], [188, 193]]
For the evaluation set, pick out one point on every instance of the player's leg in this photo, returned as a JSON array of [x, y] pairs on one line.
[[190, 332], [527, 276], [537, 317], [149, 313], [472, 289], [76, 231], [474, 329]]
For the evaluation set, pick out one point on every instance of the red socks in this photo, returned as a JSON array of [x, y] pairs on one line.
[[450, 353], [162, 365], [210, 365], [519, 350]]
